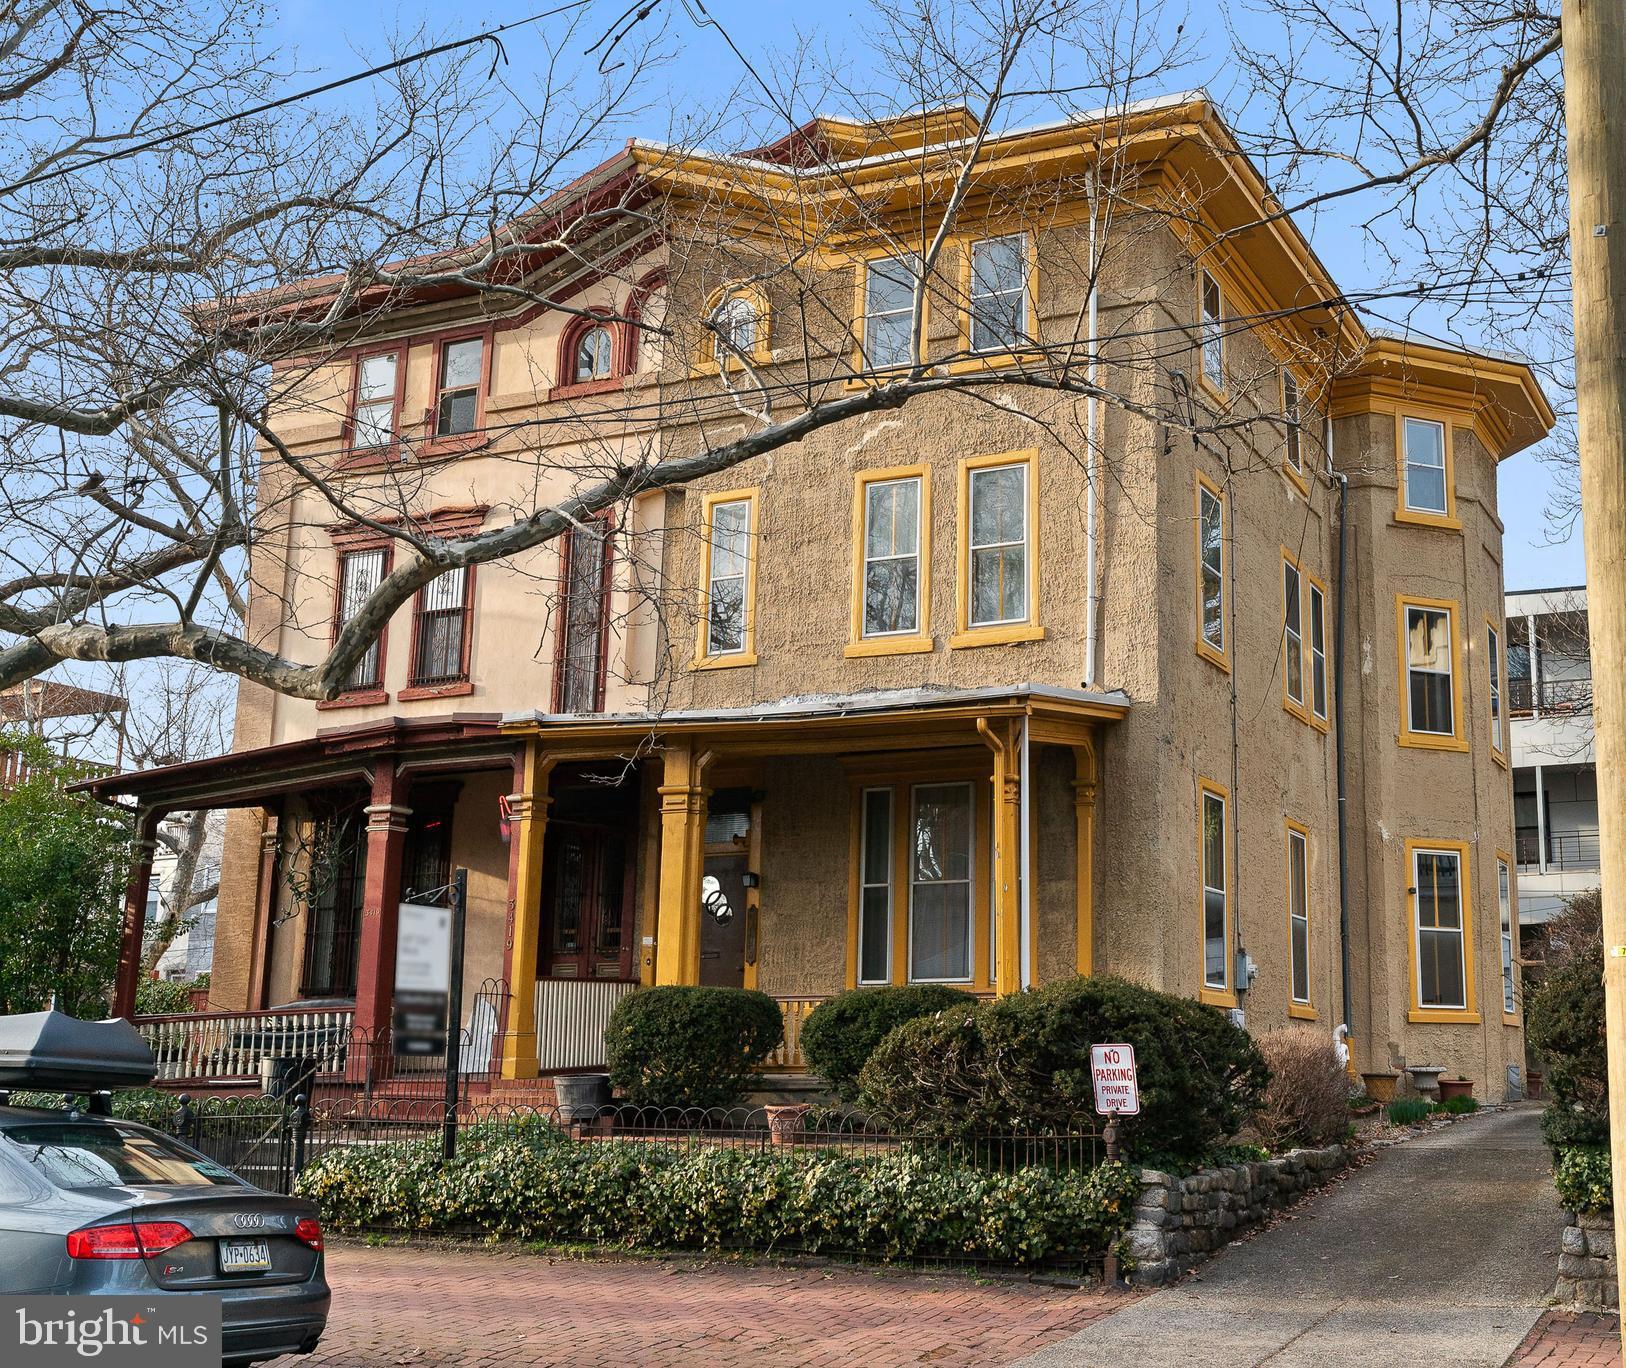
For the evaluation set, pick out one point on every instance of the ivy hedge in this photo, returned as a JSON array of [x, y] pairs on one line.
[[1581, 1175], [535, 1185]]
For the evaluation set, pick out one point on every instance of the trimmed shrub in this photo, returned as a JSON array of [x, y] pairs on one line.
[[1021, 1064], [1581, 1175], [1306, 1102], [898, 1205], [690, 1047], [1408, 1111], [1564, 1021], [842, 1032]]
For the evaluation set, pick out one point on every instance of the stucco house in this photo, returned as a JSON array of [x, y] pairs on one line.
[[1201, 683]]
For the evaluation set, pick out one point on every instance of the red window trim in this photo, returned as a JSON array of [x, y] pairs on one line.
[[348, 543], [449, 688], [601, 667], [389, 450], [433, 443], [623, 355]]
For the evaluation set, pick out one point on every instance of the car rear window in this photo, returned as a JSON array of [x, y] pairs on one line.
[[87, 1154]]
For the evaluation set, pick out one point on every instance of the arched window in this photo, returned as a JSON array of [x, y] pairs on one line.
[[594, 350], [735, 321]]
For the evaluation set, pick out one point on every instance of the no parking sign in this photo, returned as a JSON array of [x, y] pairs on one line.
[[1112, 1071]]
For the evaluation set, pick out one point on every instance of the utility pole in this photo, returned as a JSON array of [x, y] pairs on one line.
[[1595, 124]]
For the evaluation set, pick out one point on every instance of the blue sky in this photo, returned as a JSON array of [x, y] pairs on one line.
[[326, 39]]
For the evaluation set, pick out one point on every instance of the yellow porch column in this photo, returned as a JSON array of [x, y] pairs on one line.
[[1002, 739], [683, 847], [528, 823], [1084, 781]]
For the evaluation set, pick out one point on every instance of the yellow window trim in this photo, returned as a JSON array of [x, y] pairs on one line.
[[705, 360], [902, 783], [1000, 356], [1300, 477], [1457, 741], [1004, 633], [1448, 521], [1205, 648], [703, 660], [916, 642], [1468, 1015], [1320, 723], [1499, 752], [1304, 1011], [1215, 997], [1301, 708], [1503, 858], [862, 376], [1220, 391]]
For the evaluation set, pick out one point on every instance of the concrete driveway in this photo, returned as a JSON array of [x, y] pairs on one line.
[[1441, 1250]]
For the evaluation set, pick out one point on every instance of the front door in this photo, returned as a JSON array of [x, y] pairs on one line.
[[587, 902], [722, 921]]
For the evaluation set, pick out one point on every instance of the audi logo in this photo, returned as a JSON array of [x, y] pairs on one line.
[[256, 1220]]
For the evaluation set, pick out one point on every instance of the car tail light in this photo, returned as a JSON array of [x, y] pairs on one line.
[[126, 1241], [308, 1230]]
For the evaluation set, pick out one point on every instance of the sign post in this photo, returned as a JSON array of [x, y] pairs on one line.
[[1117, 1093], [454, 1013]]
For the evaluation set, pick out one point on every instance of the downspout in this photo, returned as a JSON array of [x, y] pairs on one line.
[[1338, 737], [1091, 609], [1023, 813]]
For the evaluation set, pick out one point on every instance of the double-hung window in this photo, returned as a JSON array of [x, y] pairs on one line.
[[1298, 915], [1425, 459], [457, 402], [1493, 653], [999, 293], [727, 629], [1290, 417], [1292, 636], [1318, 651], [583, 618], [1504, 905], [1441, 950], [377, 392], [360, 573], [940, 883], [1210, 572], [1211, 331], [889, 305], [439, 631], [1216, 911], [1428, 652], [998, 552], [892, 582], [875, 888]]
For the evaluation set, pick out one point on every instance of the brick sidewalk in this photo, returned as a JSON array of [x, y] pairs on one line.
[[1570, 1339], [425, 1305]]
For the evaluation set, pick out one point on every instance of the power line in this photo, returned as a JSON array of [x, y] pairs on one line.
[[491, 35]]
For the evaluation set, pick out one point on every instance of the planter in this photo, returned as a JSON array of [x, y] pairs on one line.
[[785, 1123], [581, 1096], [1426, 1079], [1533, 1082], [1380, 1087], [1455, 1087]]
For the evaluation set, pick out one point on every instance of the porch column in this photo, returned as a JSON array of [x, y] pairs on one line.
[[528, 823], [135, 911], [683, 845], [1084, 781], [1003, 739], [265, 910], [381, 899]]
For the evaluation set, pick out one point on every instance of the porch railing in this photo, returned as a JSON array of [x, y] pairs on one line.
[[228, 1047], [571, 1015], [788, 1057]]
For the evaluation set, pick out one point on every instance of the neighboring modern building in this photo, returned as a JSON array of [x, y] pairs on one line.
[[986, 694], [1555, 782]]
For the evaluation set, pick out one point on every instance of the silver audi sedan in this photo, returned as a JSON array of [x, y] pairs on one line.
[[94, 1205]]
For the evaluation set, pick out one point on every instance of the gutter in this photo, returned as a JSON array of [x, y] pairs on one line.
[[1338, 736], [1092, 462]]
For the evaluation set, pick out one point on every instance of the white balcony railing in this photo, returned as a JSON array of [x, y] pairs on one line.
[[223, 1047]]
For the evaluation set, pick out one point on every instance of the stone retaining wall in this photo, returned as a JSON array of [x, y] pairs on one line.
[[1179, 1222], [1586, 1262]]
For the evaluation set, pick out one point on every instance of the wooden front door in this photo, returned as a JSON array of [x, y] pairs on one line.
[[722, 937], [587, 902]]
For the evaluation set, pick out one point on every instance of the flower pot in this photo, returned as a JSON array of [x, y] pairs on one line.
[[1380, 1087], [785, 1122], [1455, 1087], [1426, 1079], [581, 1096]]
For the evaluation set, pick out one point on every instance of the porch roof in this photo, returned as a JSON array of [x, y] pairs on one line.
[[899, 717]]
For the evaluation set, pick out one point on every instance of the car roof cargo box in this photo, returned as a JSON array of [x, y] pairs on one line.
[[54, 1052]]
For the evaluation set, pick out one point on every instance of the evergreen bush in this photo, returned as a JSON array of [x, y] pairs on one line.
[[680, 1046], [842, 1032]]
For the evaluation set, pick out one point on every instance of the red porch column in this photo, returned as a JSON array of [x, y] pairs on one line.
[[135, 911], [381, 899], [265, 910]]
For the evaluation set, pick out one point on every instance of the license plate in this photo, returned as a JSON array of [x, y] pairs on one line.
[[244, 1256]]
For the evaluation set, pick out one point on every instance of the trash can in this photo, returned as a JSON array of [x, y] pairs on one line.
[[286, 1075]]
